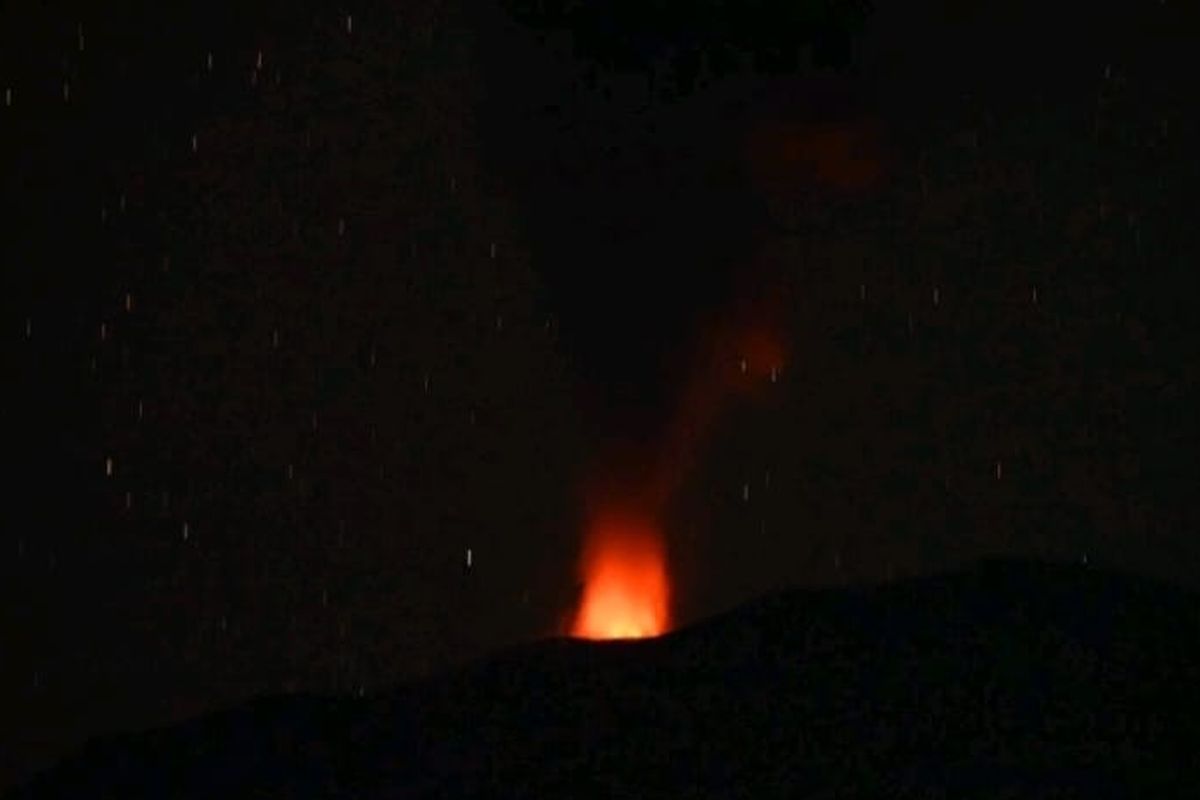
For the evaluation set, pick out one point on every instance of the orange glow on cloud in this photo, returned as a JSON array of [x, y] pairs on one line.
[[843, 156]]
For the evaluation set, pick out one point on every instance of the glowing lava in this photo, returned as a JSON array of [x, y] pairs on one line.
[[626, 582], [812, 148], [626, 588]]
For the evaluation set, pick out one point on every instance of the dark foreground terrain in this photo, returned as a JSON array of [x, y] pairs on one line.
[[1006, 679]]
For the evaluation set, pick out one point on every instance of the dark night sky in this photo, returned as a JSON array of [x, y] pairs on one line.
[[303, 303]]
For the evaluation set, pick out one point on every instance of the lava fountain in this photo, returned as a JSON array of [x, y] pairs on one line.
[[626, 590], [626, 580], [790, 155]]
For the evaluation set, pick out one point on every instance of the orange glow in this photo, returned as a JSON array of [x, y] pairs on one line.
[[626, 591], [626, 579], [845, 158], [738, 355]]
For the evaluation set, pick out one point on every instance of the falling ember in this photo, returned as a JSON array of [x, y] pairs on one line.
[[626, 588]]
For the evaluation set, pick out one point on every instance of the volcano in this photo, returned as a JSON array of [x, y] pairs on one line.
[[1005, 678]]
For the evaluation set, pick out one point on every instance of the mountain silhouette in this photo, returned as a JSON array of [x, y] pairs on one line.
[[1007, 678]]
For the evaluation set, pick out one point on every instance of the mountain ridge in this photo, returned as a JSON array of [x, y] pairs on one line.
[[1006, 674]]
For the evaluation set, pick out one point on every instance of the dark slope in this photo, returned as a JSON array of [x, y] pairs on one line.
[[1006, 677]]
